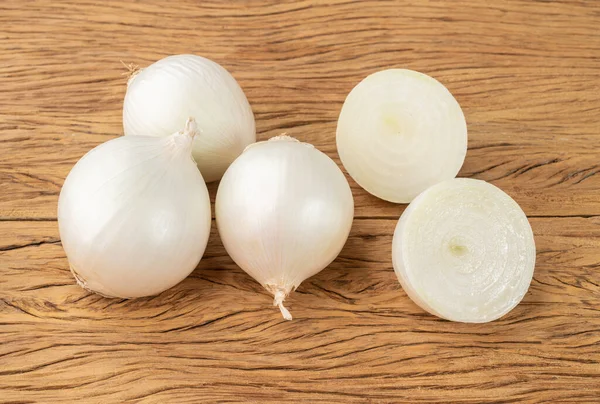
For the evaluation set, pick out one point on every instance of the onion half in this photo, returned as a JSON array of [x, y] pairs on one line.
[[463, 250], [399, 132]]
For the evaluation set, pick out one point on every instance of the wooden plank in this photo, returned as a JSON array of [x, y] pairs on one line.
[[217, 336]]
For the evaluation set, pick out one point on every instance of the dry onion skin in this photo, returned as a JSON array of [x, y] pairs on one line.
[[464, 250], [399, 132], [163, 95], [284, 211], [134, 215]]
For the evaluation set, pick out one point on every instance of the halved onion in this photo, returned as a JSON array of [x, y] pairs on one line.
[[399, 132], [463, 250]]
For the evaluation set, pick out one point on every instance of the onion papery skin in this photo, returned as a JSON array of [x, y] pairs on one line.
[[163, 95], [284, 211], [134, 216]]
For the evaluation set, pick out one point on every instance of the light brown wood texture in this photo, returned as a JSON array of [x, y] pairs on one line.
[[527, 74]]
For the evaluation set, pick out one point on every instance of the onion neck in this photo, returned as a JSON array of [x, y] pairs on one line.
[[279, 294], [279, 138], [283, 138], [132, 71], [182, 141]]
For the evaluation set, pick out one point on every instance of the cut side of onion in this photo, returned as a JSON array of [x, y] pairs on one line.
[[464, 250], [399, 132]]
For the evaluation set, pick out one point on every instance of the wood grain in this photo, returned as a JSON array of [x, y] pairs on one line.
[[527, 74]]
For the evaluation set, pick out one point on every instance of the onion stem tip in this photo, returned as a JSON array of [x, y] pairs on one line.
[[278, 301], [191, 127]]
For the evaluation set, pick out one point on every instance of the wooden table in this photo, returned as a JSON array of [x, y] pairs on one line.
[[527, 74]]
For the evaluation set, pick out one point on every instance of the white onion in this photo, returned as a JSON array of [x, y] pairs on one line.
[[284, 211], [463, 250], [134, 215], [400, 132], [163, 95]]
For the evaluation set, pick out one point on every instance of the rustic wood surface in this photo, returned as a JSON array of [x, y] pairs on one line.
[[527, 74]]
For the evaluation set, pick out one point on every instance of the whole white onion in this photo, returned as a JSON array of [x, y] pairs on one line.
[[399, 132], [134, 215], [163, 95], [284, 211], [463, 250]]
